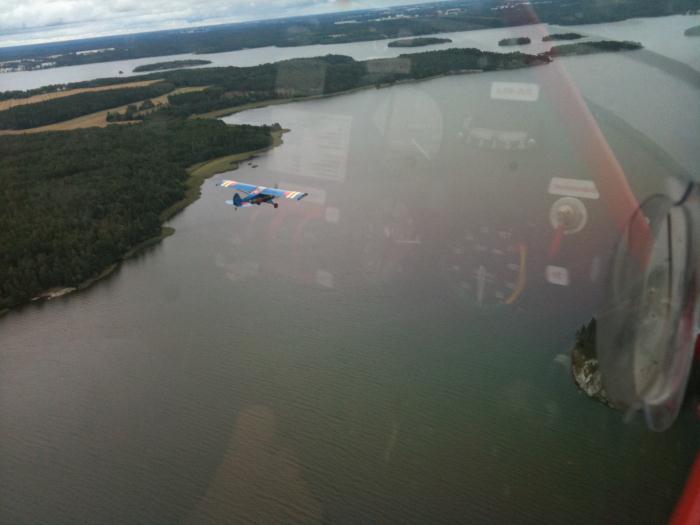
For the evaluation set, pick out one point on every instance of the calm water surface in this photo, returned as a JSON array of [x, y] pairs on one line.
[[349, 358]]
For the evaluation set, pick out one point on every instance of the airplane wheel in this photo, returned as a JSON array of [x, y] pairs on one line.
[[275, 205]]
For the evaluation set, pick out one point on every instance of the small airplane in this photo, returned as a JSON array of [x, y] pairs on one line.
[[258, 195]]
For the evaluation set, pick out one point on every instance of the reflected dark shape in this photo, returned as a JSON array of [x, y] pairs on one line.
[[648, 326], [486, 266]]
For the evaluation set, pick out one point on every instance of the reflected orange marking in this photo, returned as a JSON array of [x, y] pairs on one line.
[[522, 275]]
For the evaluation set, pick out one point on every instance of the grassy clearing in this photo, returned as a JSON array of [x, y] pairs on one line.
[[7, 104], [98, 119]]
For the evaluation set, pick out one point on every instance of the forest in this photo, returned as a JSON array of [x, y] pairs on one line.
[[72, 106], [72, 203]]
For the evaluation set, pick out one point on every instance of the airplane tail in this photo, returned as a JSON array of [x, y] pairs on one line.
[[237, 200]]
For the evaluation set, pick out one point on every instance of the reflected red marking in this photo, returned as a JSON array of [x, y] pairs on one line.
[[555, 245], [602, 164], [688, 509]]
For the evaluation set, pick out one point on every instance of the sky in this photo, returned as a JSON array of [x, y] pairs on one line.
[[35, 21]]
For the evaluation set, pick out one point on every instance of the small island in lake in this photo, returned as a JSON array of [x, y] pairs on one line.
[[173, 64], [584, 364], [692, 31], [561, 36], [519, 41], [418, 42], [586, 48]]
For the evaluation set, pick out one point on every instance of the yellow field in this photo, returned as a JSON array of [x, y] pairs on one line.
[[7, 104], [98, 119]]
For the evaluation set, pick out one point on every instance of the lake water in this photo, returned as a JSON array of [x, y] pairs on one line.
[[349, 358], [660, 35]]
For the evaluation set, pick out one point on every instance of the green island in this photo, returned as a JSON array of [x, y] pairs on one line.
[[692, 31], [172, 64], [561, 36], [517, 41], [586, 48], [584, 364], [418, 42], [75, 203]]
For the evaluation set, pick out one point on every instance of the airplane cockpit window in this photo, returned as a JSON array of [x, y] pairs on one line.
[[344, 262]]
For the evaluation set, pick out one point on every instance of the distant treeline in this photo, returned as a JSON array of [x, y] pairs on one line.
[[173, 64], [65, 108], [561, 36], [74, 202], [322, 29]]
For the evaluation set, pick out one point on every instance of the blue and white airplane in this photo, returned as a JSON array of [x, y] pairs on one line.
[[258, 195]]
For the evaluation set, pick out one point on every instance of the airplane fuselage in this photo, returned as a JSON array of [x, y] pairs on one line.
[[258, 199]]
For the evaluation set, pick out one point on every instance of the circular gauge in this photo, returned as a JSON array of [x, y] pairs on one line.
[[646, 331], [487, 266], [568, 213]]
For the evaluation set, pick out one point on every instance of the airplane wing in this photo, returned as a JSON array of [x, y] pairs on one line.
[[286, 194], [245, 188], [255, 190]]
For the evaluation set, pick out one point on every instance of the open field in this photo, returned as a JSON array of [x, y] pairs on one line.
[[7, 104], [98, 119]]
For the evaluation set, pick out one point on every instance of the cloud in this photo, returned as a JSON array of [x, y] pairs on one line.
[[32, 21]]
